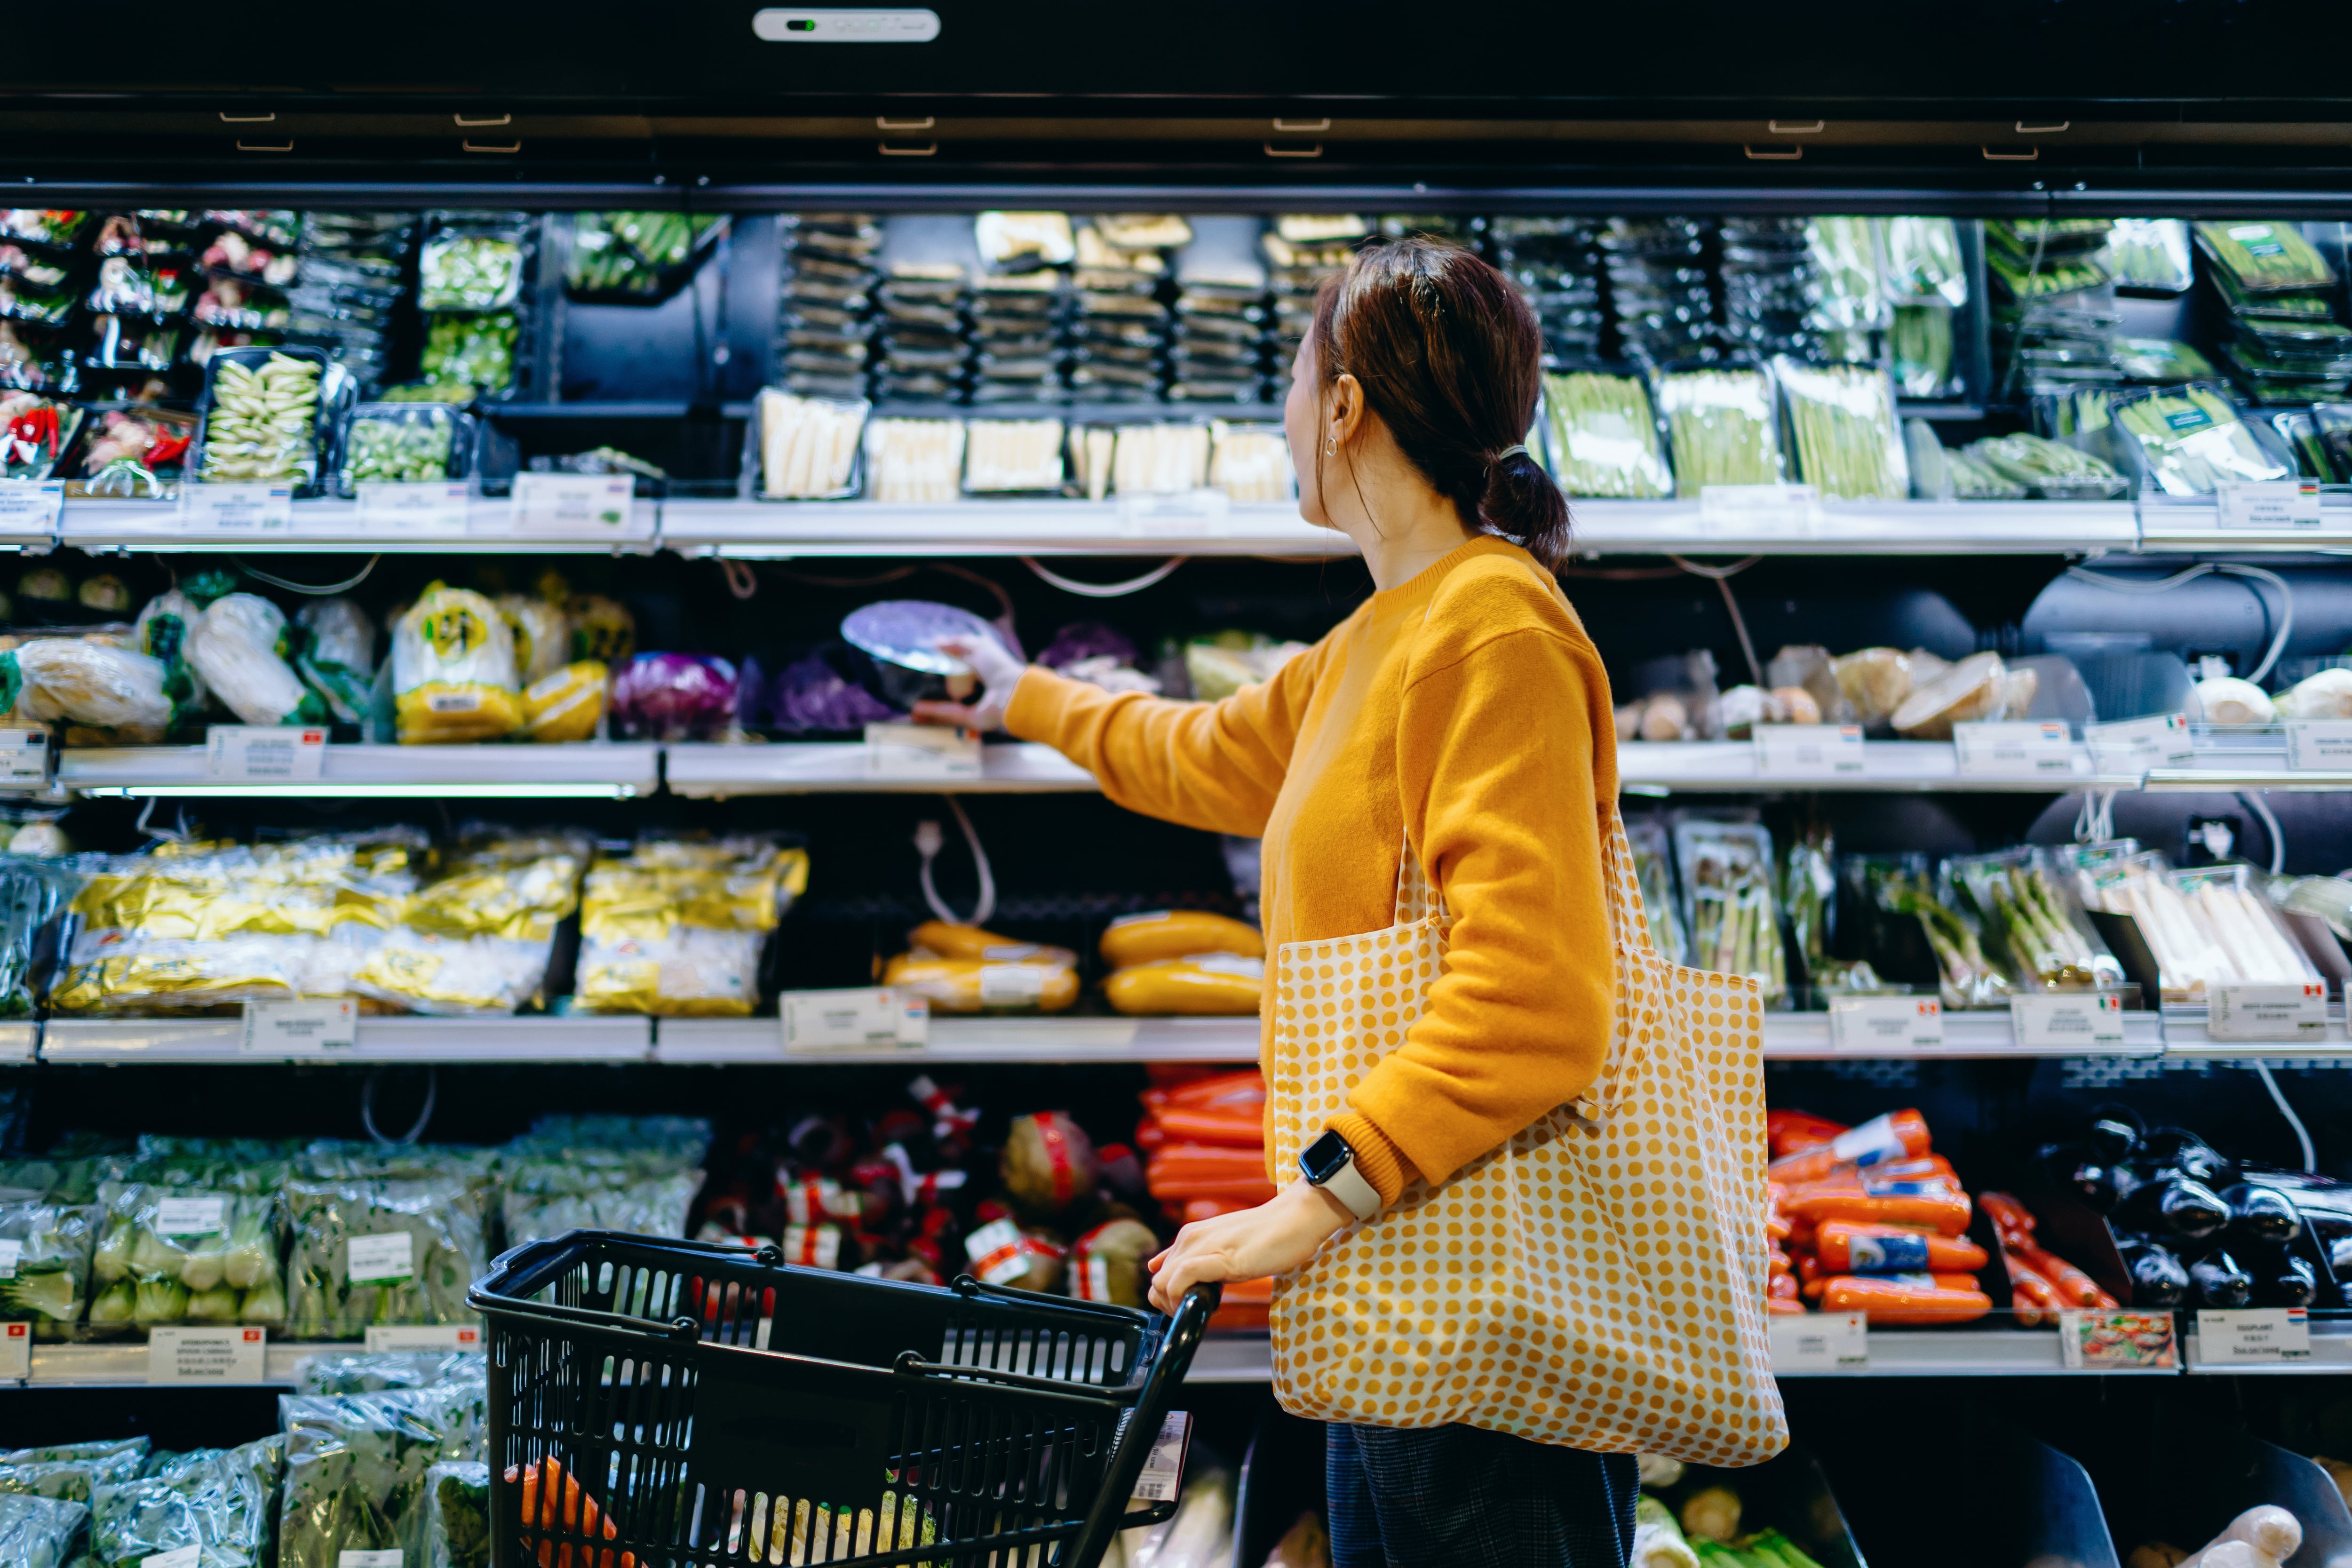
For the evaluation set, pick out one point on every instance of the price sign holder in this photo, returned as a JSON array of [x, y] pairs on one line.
[[23, 758], [1820, 1342], [176, 1356], [264, 753], [2014, 749], [921, 753], [1779, 512], [16, 1351], [2084, 1021], [1809, 751], [2239, 1011], [853, 1020], [573, 503], [425, 1337], [1184, 513], [31, 506], [2269, 506], [2136, 745], [305, 1028], [1872, 1025], [237, 509], [436, 506], [2255, 1336], [2119, 1341], [2317, 744]]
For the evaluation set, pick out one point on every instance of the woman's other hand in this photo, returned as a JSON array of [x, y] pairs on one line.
[[1273, 1238], [998, 672]]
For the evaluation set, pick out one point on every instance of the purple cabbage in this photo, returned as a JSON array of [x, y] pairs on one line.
[[1085, 639], [673, 697], [812, 695]]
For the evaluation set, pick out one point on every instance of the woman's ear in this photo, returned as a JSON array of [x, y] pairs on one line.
[[1345, 417]]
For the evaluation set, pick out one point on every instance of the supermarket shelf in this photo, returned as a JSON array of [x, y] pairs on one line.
[[2331, 1351], [1868, 528], [600, 770], [1173, 526], [972, 1042], [420, 1041], [123, 1364], [1968, 1036], [334, 525], [2185, 1035], [2186, 525], [814, 767], [1888, 765], [1233, 1357], [19, 1043]]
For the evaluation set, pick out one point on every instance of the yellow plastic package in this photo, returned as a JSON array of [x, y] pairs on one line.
[[567, 705], [541, 634], [1208, 985], [452, 669], [1177, 933], [937, 939], [477, 936], [675, 927], [985, 985]]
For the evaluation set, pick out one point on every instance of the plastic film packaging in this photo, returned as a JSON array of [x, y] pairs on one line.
[[454, 1519], [1842, 428], [1208, 984], [349, 1206], [808, 446], [169, 1254], [2150, 256], [236, 647], [1177, 933], [1603, 436], [2026, 906], [541, 634], [356, 1464], [405, 443], [2264, 256], [674, 697], [675, 927], [1722, 428], [1251, 463], [914, 460], [2188, 440], [1159, 458], [86, 681], [338, 655], [566, 705], [270, 415], [47, 1281], [636, 1175], [1901, 912], [1654, 866], [222, 1502], [452, 669], [1728, 901], [473, 263], [1924, 261], [477, 938], [984, 985], [1012, 455], [374, 1371]]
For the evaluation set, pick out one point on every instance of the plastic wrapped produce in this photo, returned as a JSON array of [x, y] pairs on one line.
[[85, 681], [338, 657], [1728, 900], [471, 264], [236, 647], [2262, 255], [1011, 455], [674, 697], [45, 1266], [1899, 886], [1975, 688], [2047, 469], [635, 1175], [384, 1236], [913, 459], [477, 937], [222, 1502], [262, 419], [33, 433], [1603, 436], [675, 927], [374, 1371], [1177, 933], [454, 1521], [2189, 440], [1722, 427], [39, 1531], [2150, 256], [636, 257], [452, 669], [566, 705], [405, 443], [1026, 985], [542, 634], [2026, 909], [808, 446], [170, 1254], [356, 1466], [1208, 985], [1843, 427], [476, 354], [1655, 867]]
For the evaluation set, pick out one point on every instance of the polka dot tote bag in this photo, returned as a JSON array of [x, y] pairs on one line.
[[1597, 1281]]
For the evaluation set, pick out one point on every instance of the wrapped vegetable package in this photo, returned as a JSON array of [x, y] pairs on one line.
[[171, 1255], [1897, 885], [567, 705], [238, 647], [37, 1532], [674, 697], [1177, 933], [223, 1502], [31, 891], [69, 1481], [2022, 902], [452, 669], [338, 657], [356, 1466], [1977, 689], [1211, 984], [1841, 422], [384, 1236], [1722, 427], [2189, 439], [44, 1265], [675, 926], [476, 938], [196, 926], [374, 1371], [1654, 864], [85, 681], [162, 634], [984, 985], [453, 1526], [542, 634], [601, 1173], [1727, 901], [1604, 438]]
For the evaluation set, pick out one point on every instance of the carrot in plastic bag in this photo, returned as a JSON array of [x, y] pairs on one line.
[[1778, 1306], [1903, 1300], [1897, 1136], [1932, 1204], [1779, 1262], [1813, 1290], [1786, 1132], [1783, 1287], [578, 1515], [1231, 1090], [1239, 1130], [1850, 1246]]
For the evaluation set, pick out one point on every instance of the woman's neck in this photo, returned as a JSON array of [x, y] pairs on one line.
[[1403, 534]]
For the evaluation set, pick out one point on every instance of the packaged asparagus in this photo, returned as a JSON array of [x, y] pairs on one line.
[[2203, 926], [2264, 256], [2186, 440], [1902, 912], [1721, 427], [1842, 428], [1604, 436], [1654, 866], [1728, 900], [2024, 901], [2047, 469]]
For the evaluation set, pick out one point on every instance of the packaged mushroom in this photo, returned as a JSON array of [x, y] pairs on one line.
[[914, 460], [1009, 456], [1979, 687], [808, 446]]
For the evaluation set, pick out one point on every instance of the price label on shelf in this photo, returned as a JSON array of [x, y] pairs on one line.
[[2136, 745], [1820, 1342], [2069, 1021], [435, 508], [1808, 750], [2014, 749], [237, 509], [15, 1350], [2319, 744], [1875, 1024], [2237, 1010], [425, 1337], [573, 503], [178, 1557], [207, 1355], [24, 757], [31, 506], [1163, 1467], [2117, 1340], [1184, 513], [919, 753], [1761, 512], [307, 1028], [2269, 504], [2253, 1336], [264, 753], [853, 1020], [190, 1217]]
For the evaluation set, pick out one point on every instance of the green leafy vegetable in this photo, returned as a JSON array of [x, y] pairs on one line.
[[356, 1466]]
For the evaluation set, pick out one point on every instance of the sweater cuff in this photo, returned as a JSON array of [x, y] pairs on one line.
[[1381, 1162], [1038, 704]]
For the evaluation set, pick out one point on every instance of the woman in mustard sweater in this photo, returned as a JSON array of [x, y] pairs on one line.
[[1461, 710]]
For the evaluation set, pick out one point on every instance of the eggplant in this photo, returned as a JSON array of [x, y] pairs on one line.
[[2080, 1171], [2157, 1279], [2339, 1258], [2218, 1281], [2175, 1205], [2171, 1149], [2260, 1215], [2287, 1280], [2112, 1140]]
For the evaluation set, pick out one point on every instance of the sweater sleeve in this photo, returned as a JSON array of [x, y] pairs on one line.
[[1214, 765], [1495, 761]]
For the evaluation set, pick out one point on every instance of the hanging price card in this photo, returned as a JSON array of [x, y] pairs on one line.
[[2237, 1010], [1820, 1342], [1809, 751], [2014, 749], [1871, 1025]]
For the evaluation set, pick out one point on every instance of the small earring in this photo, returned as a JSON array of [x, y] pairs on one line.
[[1331, 445]]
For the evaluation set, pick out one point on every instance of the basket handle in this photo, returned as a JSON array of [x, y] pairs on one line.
[[1181, 1338], [521, 1271]]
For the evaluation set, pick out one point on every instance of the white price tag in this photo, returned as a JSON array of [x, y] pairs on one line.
[[354, 1557], [425, 1337], [2239, 1011], [2255, 1336], [1761, 511], [24, 757], [573, 503], [178, 1557], [15, 1350], [2071, 1021], [1184, 513], [2014, 749], [298, 1028], [2136, 745], [2319, 744], [853, 1020], [1873, 1024], [205, 1355], [434, 508], [1820, 1342], [1163, 1467], [1808, 750], [31, 506], [237, 509], [264, 753], [1011, 984], [190, 1217], [2270, 504], [921, 753], [375, 1259], [10, 1252]]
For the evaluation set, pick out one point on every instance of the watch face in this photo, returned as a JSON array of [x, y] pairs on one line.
[[1323, 1159]]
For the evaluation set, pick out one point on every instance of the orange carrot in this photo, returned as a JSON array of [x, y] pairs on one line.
[[580, 1515], [2074, 1287], [1899, 1301], [1234, 1129], [1897, 1136], [1932, 1204], [1849, 1247]]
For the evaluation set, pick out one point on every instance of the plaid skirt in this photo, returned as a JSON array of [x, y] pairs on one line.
[[1461, 1497]]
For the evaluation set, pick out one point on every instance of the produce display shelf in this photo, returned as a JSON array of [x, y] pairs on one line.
[[122, 1364], [1175, 525], [2185, 1035], [419, 1041], [335, 525], [2192, 525], [1855, 528], [686, 1042], [586, 770], [1968, 1036], [1893, 766], [814, 767], [2222, 777], [20, 1042]]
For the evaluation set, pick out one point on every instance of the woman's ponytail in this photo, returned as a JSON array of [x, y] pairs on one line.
[[1450, 357]]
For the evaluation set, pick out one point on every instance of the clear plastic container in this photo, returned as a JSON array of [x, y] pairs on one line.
[[270, 416]]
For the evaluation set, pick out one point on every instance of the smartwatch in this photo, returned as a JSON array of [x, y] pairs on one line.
[[1330, 1164]]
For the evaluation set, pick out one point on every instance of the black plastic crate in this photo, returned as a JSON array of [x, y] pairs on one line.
[[718, 1407]]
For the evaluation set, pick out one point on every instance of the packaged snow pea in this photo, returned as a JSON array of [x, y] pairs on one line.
[[1924, 262], [45, 1266], [1919, 340], [472, 261], [2048, 470], [1722, 427], [384, 1236], [2186, 440], [356, 1466], [1843, 429], [2264, 256], [37, 1532], [2150, 256], [405, 443], [1603, 436]]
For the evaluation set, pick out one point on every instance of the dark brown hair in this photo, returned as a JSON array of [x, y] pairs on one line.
[[1450, 358]]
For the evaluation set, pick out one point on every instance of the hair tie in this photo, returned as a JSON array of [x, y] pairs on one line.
[[1507, 454]]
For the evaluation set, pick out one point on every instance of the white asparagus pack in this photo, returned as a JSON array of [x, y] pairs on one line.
[[808, 446]]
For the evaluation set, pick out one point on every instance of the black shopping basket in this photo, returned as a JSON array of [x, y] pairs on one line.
[[663, 1403]]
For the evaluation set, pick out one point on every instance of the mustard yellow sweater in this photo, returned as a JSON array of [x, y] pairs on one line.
[[1467, 710]]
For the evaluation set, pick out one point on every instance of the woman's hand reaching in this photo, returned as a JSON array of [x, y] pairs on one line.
[[1273, 1238], [999, 673]]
